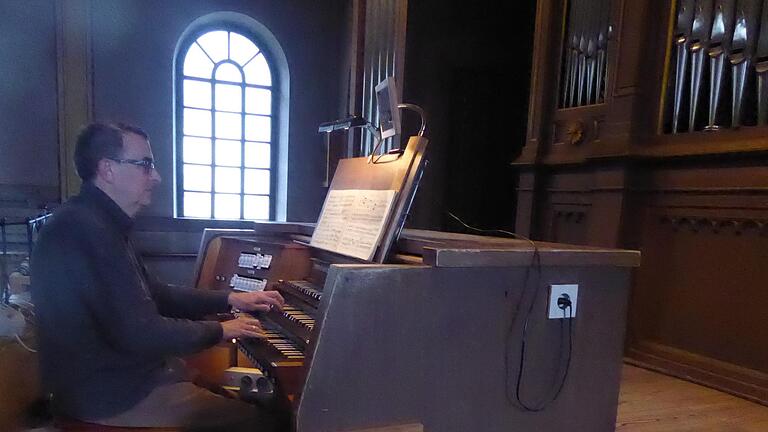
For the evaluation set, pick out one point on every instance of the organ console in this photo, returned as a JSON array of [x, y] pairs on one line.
[[431, 336]]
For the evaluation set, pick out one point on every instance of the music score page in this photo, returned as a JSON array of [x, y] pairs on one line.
[[352, 221]]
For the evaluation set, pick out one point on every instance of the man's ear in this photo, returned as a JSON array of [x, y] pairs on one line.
[[104, 171]]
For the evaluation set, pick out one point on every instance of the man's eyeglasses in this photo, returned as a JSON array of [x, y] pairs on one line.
[[147, 163]]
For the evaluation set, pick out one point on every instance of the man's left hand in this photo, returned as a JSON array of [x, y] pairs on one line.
[[261, 301]]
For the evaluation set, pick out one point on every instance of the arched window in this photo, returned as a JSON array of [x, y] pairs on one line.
[[226, 126]]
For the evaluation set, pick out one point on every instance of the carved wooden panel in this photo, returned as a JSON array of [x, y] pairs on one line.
[[695, 204], [567, 223], [574, 132], [700, 290]]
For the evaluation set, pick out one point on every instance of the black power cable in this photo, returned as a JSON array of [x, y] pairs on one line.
[[563, 303], [560, 386]]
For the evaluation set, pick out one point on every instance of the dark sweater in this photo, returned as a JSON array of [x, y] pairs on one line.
[[105, 329]]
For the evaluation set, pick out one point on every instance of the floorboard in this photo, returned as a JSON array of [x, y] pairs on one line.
[[650, 401]]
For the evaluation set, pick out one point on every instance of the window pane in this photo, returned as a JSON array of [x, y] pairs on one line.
[[228, 180], [229, 72], [258, 101], [241, 49], [257, 128], [257, 71], [197, 122], [229, 97], [256, 207], [228, 125], [197, 178], [257, 181], [197, 204], [223, 176], [197, 64], [197, 150], [257, 155], [197, 94], [226, 207], [228, 153], [215, 44]]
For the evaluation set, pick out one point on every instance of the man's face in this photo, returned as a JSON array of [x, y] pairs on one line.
[[133, 184]]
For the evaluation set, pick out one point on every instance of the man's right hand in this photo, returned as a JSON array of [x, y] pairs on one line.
[[241, 327]]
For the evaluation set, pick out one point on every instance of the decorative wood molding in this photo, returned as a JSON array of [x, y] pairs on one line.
[[585, 191], [704, 190], [545, 77], [567, 222], [739, 381], [575, 133], [576, 127], [715, 225], [744, 140], [570, 215], [75, 84], [410, 427], [178, 256]]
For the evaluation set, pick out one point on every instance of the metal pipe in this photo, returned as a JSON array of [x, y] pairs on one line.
[[702, 25], [761, 67], [762, 93], [697, 67], [719, 48], [743, 45], [680, 73], [739, 74], [683, 27]]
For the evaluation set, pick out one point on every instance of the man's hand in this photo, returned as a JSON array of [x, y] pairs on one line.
[[241, 327], [261, 301]]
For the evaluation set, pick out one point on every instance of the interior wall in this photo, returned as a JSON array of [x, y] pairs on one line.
[[28, 149], [133, 47], [132, 53], [463, 68], [128, 46]]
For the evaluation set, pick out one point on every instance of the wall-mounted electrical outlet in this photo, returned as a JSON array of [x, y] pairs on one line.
[[557, 291]]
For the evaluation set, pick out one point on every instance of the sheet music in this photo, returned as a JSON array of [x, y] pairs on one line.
[[352, 221]]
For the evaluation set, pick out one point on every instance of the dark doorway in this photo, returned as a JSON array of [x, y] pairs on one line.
[[469, 68]]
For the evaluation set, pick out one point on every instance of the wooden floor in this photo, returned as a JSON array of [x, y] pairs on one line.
[[653, 402]]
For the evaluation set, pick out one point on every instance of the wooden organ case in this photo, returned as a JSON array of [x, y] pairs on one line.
[[668, 158], [428, 335]]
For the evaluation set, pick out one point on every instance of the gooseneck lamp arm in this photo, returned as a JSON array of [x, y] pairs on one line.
[[377, 135]]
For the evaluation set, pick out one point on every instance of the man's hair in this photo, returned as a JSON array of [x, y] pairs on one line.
[[98, 141]]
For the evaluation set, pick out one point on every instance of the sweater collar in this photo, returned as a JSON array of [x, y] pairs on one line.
[[98, 198]]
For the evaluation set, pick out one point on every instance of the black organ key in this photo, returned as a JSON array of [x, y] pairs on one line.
[[306, 288]]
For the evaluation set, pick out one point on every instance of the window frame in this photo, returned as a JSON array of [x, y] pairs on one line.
[[185, 43]]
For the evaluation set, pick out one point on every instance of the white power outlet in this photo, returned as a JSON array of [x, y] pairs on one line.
[[558, 290]]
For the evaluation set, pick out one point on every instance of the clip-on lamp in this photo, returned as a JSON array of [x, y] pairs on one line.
[[389, 123]]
